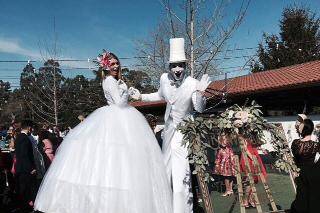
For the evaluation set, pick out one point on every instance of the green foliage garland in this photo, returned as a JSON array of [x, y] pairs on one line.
[[247, 121]]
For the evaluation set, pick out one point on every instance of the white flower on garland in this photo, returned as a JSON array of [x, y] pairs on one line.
[[238, 123], [230, 114], [242, 115]]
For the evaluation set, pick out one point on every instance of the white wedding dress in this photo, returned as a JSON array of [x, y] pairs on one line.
[[109, 163]]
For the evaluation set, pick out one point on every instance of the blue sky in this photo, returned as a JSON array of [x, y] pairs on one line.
[[85, 27]]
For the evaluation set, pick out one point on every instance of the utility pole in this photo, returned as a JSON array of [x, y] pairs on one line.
[[192, 22]]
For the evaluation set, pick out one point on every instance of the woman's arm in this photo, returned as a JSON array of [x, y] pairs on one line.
[[294, 148], [151, 97]]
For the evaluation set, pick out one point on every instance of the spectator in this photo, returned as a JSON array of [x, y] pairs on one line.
[[25, 167], [255, 166], [152, 120], [304, 151], [46, 147], [38, 158], [225, 164]]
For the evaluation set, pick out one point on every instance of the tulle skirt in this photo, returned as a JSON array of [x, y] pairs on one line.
[[109, 163]]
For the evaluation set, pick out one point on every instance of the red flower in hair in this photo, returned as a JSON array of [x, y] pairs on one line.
[[104, 61]]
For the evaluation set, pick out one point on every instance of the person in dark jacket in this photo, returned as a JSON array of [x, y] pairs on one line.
[[25, 167]]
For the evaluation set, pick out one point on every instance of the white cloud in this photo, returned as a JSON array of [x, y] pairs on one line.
[[13, 46]]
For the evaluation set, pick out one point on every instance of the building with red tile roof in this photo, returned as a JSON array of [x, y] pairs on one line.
[[287, 90], [285, 78]]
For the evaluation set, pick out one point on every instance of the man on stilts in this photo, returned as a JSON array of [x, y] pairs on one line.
[[182, 94]]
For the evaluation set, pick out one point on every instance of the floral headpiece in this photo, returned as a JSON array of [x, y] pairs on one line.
[[103, 60]]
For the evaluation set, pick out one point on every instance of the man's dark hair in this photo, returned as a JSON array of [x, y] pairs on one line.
[[26, 123], [307, 128]]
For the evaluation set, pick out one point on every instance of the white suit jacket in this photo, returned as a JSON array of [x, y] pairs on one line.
[[180, 100]]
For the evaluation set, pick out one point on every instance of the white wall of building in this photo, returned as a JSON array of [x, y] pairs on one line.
[[288, 123]]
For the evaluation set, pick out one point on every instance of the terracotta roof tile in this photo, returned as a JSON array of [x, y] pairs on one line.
[[141, 104], [277, 79]]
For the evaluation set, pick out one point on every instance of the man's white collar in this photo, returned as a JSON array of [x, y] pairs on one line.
[[24, 131]]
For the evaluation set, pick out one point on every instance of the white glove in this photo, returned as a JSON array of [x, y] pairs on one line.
[[134, 93], [203, 83]]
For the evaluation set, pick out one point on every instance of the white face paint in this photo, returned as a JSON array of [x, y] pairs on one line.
[[177, 71]]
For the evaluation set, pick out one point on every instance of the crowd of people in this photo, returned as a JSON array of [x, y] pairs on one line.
[[306, 154], [112, 162], [26, 154]]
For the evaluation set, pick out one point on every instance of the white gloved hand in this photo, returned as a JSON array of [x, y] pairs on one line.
[[134, 93], [203, 83]]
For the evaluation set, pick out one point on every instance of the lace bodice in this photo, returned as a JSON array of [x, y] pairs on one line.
[[116, 92], [304, 151]]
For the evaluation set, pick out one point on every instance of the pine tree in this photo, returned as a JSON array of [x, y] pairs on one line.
[[298, 41]]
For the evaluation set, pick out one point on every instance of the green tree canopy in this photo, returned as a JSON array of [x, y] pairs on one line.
[[139, 80], [297, 42], [4, 97], [81, 97], [41, 89]]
